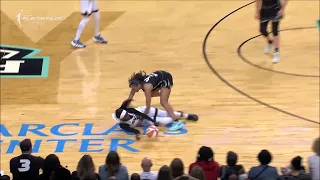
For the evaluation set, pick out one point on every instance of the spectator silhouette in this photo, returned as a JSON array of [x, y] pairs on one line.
[[263, 170], [314, 160], [113, 168], [165, 173], [205, 159], [85, 169], [231, 167], [51, 162]]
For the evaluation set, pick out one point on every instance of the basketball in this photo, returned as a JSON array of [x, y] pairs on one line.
[[152, 131]]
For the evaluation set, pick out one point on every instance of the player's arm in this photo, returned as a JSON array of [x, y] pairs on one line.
[[258, 8], [284, 4], [131, 95], [148, 94], [142, 115], [127, 128]]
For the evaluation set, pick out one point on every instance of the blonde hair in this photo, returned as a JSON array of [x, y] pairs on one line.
[[197, 172]]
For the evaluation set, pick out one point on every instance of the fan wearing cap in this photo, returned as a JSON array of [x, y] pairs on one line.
[[205, 160]]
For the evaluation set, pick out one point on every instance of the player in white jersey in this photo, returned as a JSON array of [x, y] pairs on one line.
[[88, 8], [129, 118]]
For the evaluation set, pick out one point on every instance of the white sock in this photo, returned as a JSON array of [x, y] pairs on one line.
[[96, 19], [81, 27], [179, 114]]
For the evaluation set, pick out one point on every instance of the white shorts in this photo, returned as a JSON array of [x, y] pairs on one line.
[[88, 6]]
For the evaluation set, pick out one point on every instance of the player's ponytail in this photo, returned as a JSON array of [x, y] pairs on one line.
[[137, 78]]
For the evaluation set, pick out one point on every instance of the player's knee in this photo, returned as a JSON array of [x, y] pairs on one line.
[[163, 102], [263, 30], [275, 30]]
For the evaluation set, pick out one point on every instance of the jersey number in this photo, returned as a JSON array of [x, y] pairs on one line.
[[25, 165], [151, 75]]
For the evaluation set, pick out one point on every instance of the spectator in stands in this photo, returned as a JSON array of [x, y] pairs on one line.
[[146, 165], [314, 160], [135, 176], [295, 171], [26, 166], [177, 169], [61, 173], [231, 167], [197, 172], [263, 170], [113, 168], [85, 169], [205, 160], [50, 163], [165, 173]]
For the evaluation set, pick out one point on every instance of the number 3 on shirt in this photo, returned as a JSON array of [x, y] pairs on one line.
[[25, 165], [151, 75]]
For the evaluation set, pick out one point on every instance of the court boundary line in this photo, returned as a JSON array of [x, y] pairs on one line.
[[214, 71]]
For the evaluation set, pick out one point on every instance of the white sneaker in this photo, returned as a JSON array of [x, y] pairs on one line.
[[276, 58], [268, 48]]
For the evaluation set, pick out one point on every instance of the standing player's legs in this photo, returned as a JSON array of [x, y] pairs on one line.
[[164, 101], [96, 18], [275, 31], [264, 32], [87, 8]]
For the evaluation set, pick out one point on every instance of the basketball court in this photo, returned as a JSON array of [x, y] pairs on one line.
[[244, 102]]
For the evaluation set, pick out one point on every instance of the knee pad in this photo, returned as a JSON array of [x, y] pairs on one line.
[[275, 31], [263, 30], [275, 28]]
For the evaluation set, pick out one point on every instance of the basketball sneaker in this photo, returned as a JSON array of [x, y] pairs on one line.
[[192, 117], [276, 58], [268, 48], [77, 44], [176, 125], [99, 39]]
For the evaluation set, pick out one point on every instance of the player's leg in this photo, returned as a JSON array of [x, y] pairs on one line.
[[264, 32], [86, 8], [275, 31], [164, 101], [164, 120], [96, 19]]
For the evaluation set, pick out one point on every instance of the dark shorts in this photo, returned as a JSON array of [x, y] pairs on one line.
[[270, 14], [169, 81]]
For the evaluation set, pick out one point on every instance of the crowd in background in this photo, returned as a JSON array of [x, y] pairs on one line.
[[26, 167]]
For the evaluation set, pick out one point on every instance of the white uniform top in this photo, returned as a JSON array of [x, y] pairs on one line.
[[134, 120]]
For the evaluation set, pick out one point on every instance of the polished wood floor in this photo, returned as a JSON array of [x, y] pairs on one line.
[[243, 108]]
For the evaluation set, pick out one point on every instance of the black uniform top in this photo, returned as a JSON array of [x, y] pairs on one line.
[[159, 79], [26, 167], [270, 3]]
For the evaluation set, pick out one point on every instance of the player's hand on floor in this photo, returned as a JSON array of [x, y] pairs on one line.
[[138, 136]]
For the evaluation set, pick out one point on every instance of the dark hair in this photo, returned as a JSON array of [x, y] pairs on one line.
[[205, 154], [137, 78], [112, 163], [265, 157], [85, 167], [232, 158], [61, 173], [25, 145], [135, 176], [297, 163], [5, 177], [164, 173], [51, 162], [177, 167]]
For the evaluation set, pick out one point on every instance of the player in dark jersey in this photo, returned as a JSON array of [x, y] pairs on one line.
[[26, 166], [271, 10], [158, 83]]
